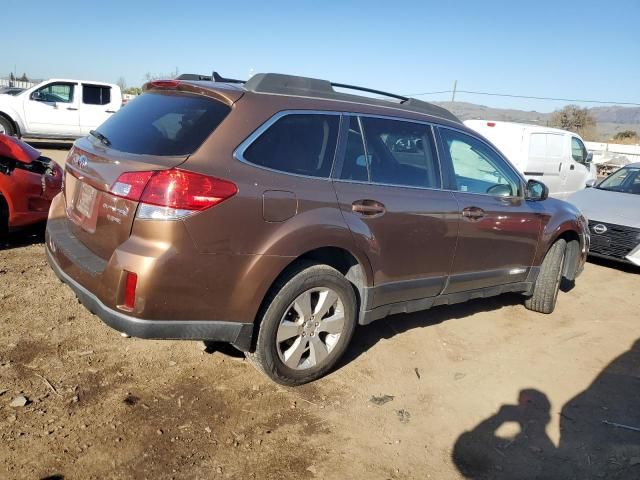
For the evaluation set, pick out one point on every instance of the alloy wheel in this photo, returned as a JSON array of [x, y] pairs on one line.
[[310, 328]]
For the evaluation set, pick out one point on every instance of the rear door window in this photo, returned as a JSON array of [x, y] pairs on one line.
[[397, 153], [303, 144], [96, 94], [164, 123]]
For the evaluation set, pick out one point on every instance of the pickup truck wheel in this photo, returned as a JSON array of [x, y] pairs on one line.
[[545, 291], [6, 126], [307, 323]]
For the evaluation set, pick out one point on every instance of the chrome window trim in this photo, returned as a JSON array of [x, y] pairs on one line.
[[239, 151], [376, 184], [523, 181]]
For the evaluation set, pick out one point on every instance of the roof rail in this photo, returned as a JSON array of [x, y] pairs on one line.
[[312, 87], [370, 90]]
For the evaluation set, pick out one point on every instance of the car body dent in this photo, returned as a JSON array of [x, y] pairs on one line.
[[28, 182]]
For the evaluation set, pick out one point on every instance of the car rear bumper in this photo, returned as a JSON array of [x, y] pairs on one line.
[[238, 334]]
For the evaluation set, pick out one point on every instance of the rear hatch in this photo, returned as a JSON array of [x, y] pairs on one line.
[[107, 172]]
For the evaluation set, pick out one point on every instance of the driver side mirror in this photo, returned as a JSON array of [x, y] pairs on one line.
[[37, 96], [589, 158], [536, 191]]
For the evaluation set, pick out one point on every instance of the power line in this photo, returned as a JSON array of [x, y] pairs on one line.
[[493, 94]]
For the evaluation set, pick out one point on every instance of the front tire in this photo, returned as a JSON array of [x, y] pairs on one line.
[[307, 323], [545, 291], [6, 127]]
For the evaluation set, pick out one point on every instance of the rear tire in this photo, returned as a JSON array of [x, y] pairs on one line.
[[6, 127], [545, 290], [307, 322]]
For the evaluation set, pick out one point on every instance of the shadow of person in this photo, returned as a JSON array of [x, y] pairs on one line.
[[482, 453], [599, 432], [600, 427]]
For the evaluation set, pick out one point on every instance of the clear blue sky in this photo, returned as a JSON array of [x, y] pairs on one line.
[[569, 49]]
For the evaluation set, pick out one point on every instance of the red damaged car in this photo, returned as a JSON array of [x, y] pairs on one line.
[[28, 183]]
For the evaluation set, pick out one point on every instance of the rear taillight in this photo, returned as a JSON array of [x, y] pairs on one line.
[[491, 124], [171, 194], [130, 185]]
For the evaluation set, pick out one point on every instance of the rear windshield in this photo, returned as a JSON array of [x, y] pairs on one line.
[[164, 123]]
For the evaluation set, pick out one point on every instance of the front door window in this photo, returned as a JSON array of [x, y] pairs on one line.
[[578, 150], [55, 93], [477, 168]]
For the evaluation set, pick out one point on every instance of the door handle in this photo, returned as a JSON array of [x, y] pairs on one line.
[[368, 208], [110, 111], [473, 213], [572, 167], [71, 108]]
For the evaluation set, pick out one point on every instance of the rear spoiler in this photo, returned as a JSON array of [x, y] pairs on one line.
[[214, 77]]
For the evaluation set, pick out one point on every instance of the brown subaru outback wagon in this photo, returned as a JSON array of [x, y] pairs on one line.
[[276, 214]]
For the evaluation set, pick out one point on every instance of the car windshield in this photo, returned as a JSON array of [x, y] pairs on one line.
[[625, 180]]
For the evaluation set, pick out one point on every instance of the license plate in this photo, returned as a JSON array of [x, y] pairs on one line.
[[86, 199]]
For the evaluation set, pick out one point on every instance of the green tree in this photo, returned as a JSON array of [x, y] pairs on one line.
[[575, 119], [626, 135], [161, 76], [24, 78], [133, 91]]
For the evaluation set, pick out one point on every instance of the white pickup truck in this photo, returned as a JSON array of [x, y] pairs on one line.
[[58, 109]]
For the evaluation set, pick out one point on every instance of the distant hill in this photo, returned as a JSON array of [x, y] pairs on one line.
[[469, 111], [624, 115], [610, 120]]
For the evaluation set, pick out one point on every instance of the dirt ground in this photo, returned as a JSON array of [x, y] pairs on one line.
[[485, 389]]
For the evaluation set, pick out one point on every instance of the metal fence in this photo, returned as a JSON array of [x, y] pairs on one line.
[[5, 82], [610, 156]]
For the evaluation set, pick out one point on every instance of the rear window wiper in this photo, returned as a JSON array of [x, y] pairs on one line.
[[100, 137]]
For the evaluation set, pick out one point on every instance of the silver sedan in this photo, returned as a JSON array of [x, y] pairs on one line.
[[613, 210]]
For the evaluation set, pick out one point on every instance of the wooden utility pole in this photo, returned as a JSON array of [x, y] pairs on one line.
[[453, 92]]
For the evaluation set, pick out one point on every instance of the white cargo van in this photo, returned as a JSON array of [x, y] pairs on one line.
[[557, 158]]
